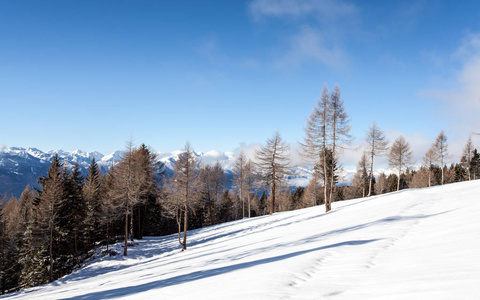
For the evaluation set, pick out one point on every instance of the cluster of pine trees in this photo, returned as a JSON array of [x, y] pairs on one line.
[[50, 231]]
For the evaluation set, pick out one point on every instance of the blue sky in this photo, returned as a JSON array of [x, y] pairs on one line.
[[227, 74]]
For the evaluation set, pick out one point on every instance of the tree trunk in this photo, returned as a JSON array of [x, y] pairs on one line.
[[108, 237], [51, 251], [75, 236], [139, 236], [429, 178], [126, 234], [185, 223], [248, 198], [131, 224], [325, 181], [398, 182], [272, 203], [241, 198], [371, 177]]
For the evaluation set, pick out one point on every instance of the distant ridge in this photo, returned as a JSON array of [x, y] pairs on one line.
[[20, 167]]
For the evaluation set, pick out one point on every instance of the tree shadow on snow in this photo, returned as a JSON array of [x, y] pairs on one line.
[[197, 275]]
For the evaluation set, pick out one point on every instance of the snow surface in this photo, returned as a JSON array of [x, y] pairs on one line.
[[413, 244]]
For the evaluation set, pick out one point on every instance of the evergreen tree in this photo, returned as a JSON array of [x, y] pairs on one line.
[[475, 164], [93, 214], [51, 197], [73, 212]]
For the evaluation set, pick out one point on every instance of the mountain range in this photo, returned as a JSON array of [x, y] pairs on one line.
[[20, 167]]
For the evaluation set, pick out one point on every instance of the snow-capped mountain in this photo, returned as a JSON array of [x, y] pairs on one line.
[[22, 166]]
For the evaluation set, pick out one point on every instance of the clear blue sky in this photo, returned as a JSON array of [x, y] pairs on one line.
[[90, 74]]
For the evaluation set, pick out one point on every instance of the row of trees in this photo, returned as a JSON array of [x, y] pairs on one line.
[[433, 171]]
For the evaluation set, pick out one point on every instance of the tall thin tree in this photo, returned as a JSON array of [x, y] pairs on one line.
[[400, 156], [273, 160], [377, 145], [441, 151], [340, 131], [316, 140]]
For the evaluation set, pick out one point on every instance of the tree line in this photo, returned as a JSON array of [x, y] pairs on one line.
[[50, 231]]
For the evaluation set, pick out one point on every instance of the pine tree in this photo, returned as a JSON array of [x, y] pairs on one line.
[[92, 194], [475, 164], [73, 211], [50, 197]]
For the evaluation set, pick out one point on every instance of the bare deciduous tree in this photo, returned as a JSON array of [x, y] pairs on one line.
[[377, 145], [467, 155], [400, 156], [316, 138], [240, 178], [181, 190], [340, 129], [428, 161], [441, 151], [273, 160]]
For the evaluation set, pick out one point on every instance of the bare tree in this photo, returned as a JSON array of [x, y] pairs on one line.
[[134, 180], [377, 145], [428, 161], [467, 154], [240, 178], [340, 129], [441, 151], [316, 139], [182, 188], [400, 156], [250, 178], [273, 160], [360, 179]]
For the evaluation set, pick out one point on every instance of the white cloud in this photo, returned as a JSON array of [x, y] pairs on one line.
[[322, 9], [311, 45], [3, 147], [319, 27]]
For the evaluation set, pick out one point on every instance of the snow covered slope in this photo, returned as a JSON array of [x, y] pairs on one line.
[[413, 244]]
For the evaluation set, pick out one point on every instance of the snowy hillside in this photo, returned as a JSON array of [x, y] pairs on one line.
[[413, 244]]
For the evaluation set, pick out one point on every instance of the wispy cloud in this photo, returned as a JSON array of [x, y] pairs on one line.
[[321, 9], [460, 99], [316, 33], [310, 45]]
